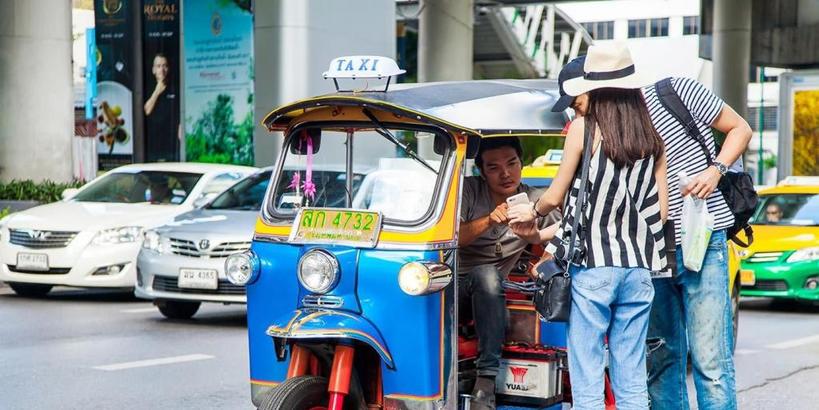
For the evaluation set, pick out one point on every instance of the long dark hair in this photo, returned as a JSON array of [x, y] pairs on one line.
[[628, 134]]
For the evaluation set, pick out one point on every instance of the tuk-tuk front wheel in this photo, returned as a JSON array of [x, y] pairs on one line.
[[298, 393]]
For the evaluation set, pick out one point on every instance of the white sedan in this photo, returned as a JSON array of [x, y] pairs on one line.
[[93, 236]]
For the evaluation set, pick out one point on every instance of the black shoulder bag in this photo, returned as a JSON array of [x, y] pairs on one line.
[[737, 188], [553, 295]]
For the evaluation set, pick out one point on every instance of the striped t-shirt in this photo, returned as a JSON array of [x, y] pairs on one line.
[[621, 224], [683, 152]]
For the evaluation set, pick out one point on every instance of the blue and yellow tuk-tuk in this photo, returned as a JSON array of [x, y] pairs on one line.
[[351, 278]]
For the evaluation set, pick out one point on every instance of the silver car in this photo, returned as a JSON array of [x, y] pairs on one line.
[[181, 264]]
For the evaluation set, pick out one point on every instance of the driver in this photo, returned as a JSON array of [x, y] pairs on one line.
[[773, 213], [488, 249]]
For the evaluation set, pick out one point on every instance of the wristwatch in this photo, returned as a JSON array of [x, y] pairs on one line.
[[534, 208], [721, 168]]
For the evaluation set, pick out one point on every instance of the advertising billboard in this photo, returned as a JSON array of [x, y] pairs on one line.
[[160, 51], [218, 68], [115, 75], [798, 123]]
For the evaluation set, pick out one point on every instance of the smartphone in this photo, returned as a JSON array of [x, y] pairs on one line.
[[517, 199]]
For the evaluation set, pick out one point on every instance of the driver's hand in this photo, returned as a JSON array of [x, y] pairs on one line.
[[498, 216], [522, 213]]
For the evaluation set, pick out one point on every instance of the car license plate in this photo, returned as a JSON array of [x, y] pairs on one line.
[[198, 279], [338, 226], [747, 277], [32, 261]]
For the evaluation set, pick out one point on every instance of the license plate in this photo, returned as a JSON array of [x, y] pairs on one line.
[[747, 277], [198, 279], [338, 226], [32, 261]]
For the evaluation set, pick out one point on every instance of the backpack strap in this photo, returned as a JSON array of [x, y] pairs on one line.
[[673, 104]]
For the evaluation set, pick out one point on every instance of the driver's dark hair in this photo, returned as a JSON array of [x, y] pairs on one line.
[[495, 143]]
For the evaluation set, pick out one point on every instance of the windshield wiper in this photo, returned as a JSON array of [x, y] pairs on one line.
[[388, 135]]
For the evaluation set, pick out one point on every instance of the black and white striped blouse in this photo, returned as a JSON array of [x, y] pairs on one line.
[[622, 225], [682, 152]]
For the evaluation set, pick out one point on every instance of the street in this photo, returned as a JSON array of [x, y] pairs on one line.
[[78, 349]]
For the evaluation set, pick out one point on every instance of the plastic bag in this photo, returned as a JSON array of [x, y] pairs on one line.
[[696, 226]]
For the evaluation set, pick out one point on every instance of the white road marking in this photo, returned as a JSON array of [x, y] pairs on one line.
[[794, 343], [745, 351], [154, 362], [139, 310]]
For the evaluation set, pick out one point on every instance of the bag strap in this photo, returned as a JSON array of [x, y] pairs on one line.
[[673, 104], [588, 140]]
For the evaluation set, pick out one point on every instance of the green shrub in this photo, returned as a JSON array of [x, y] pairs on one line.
[[4, 212], [45, 191]]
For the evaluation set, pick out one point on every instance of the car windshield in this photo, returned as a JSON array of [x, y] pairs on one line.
[[245, 195], [386, 177], [788, 209], [155, 187]]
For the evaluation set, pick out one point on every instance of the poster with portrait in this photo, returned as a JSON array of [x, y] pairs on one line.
[[218, 69], [115, 70], [160, 55]]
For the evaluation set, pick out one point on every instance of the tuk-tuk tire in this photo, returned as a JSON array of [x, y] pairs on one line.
[[174, 309], [30, 290], [297, 393]]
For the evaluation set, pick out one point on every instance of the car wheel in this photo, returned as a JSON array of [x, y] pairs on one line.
[[174, 309], [297, 393], [30, 290], [735, 313]]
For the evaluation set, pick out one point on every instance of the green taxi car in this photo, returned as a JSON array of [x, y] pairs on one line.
[[783, 261]]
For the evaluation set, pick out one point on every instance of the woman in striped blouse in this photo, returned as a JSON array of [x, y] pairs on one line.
[[620, 231]]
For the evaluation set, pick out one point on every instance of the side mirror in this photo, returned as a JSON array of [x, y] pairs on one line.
[[202, 201], [441, 144], [69, 193], [301, 149]]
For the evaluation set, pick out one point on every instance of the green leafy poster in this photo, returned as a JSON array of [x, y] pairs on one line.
[[218, 47]]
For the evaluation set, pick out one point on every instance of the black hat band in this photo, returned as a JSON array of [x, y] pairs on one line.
[[609, 75]]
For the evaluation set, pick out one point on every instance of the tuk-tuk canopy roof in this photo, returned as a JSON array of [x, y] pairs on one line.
[[486, 106]]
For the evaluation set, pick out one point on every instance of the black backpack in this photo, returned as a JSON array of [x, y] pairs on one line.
[[737, 187]]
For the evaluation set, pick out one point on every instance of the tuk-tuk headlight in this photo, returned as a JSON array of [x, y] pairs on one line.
[[422, 278], [242, 268], [318, 271]]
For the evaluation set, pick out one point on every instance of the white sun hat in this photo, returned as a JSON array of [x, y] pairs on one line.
[[607, 66]]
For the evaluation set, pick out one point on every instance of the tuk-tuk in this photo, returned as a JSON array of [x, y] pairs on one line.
[[351, 280]]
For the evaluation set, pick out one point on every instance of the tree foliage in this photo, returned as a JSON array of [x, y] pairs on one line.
[[217, 139]]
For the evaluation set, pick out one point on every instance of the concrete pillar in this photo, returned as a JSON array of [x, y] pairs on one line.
[[37, 114], [445, 40], [294, 42], [732, 52]]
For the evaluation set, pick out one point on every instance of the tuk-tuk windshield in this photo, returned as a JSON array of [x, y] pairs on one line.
[[384, 177]]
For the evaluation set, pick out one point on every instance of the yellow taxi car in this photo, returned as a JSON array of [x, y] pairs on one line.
[[543, 169], [784, 257]]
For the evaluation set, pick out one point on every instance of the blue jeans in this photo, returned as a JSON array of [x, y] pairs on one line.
[[613, 302], [692, 314]]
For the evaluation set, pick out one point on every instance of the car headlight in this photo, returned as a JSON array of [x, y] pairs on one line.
[[242, 268], [124, 234], [318, 271], [805, 254], [154, 241], [422, 278]]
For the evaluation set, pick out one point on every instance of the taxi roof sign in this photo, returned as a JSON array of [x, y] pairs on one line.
[[362, 67]]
